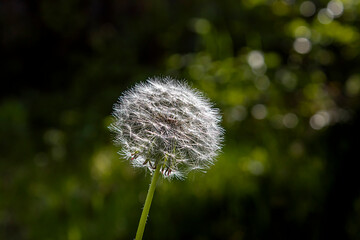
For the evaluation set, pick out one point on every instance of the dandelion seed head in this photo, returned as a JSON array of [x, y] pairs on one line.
[[165, 122]]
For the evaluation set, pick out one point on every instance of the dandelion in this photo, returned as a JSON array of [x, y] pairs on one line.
[[167, 128]]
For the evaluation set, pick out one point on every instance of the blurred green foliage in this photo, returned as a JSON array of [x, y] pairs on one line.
[[284, 73]]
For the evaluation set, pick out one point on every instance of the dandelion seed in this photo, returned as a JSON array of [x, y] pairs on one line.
[[163, 122]]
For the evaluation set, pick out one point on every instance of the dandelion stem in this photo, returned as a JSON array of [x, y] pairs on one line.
[[149, 197]]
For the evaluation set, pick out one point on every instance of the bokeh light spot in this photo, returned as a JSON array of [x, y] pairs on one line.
[[325, 16], [262, 83], [302, 31], [320, 120], [302, 45], [259, 111], [101, 166], [290, 120], [307, 8], [202, 26], [255, 59], [287, 78], [352, 86], [255, 167], [236, 114], [336, 8]]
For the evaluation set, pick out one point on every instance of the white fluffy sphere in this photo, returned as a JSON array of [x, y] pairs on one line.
[[164, 121]]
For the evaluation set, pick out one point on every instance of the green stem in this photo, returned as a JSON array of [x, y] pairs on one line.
[[149, 197]]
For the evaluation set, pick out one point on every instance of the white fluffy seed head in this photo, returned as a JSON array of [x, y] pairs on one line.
[[164, 122]]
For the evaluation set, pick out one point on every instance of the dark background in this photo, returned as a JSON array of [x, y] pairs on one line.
[[285, 75]]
